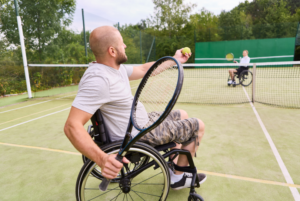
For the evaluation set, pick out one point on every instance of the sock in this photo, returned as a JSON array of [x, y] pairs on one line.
[[175, 177]]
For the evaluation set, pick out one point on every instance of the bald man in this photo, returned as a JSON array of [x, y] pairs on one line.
[[105, 85]]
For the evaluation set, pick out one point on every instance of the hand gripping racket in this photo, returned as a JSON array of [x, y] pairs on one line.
[[157, 94]]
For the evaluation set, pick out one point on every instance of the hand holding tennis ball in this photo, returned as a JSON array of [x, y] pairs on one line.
[[186, 50]]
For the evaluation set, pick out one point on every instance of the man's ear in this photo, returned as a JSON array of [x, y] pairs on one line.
[[112, 51]]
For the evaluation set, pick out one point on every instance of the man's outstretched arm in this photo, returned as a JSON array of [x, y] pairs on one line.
[[81, 140], [140, 71]]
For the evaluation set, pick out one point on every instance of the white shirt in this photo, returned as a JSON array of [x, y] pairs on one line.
[[106, 88], [245, 60]]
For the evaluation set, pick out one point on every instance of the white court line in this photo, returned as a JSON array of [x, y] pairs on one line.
[[34, 119], [34, 104], [280, 162]]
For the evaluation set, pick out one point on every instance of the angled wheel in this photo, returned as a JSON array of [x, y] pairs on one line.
[[195, 197], [143, 180], [246, 78], [97, 171]]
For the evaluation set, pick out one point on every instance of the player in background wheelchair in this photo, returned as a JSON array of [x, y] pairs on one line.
[[240, 72], [105, 85]]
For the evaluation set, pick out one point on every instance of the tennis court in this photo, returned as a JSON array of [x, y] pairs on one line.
[[39, 162]]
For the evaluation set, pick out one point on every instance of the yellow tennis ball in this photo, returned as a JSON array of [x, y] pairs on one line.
[[186, 50]]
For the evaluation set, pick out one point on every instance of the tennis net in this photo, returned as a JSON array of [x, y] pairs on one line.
[[272, 83]]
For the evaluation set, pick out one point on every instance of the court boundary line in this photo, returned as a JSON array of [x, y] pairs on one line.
[[229, 176], [33, 114], [34, 119], [36, 103], [279, 160], [39, 148]]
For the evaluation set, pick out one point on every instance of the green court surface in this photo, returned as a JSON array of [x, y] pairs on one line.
[[39, 163]]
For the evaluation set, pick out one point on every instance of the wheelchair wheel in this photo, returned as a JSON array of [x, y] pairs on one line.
[[143, 181], [246, 78], [97, 171], [195, 197]]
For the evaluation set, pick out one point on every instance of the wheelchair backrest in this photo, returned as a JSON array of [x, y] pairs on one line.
[[101, 134]]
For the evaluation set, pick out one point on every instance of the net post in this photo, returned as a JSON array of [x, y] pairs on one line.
[[23, 50], [253, 82]]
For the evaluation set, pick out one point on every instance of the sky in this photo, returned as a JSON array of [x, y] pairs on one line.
[[109, 12]]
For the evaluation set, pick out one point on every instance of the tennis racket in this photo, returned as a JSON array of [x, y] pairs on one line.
[[157, 94], [230, 57]]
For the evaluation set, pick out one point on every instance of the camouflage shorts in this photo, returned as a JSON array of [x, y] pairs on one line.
[[173, 129]]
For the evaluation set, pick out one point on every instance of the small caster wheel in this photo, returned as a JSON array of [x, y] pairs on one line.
[[229, 85], [234, 85], [195, 197]]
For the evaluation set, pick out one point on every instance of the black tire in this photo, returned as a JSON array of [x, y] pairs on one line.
[[195, 197], [97, 172], [87, 183], [246, 78]]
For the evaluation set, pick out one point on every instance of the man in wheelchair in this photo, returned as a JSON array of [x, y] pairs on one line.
[[244, 60], [105, 85]]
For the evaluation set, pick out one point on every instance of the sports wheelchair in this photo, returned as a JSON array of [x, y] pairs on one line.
[[244, 78], [146, 177]]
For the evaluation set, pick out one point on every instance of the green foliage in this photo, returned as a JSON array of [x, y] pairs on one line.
[[171, 27], [170, 16], [41, 19]]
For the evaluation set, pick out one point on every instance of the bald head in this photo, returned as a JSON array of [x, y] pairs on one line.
[[102, 38]]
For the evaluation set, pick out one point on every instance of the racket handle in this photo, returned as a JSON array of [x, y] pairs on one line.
[[105, 182]]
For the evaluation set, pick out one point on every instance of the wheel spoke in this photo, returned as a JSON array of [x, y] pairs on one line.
[[116, 196], [145, 193], [147, 179], [130, 196], [104, 193], [148, 183], [137, 194], [98, 189]]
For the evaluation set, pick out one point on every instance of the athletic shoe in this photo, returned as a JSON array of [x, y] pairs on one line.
[[233, 83], [229, 82], [185, 181]]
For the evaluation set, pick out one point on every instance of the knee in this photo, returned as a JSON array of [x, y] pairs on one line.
[[201, 128], [183, 114]]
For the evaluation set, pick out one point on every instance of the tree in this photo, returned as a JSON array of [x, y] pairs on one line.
[[170, 16], [293, 5], [42, 20], [204, 26], [235, 25]]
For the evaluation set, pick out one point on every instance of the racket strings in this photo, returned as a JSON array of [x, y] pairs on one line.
[[158, 91]]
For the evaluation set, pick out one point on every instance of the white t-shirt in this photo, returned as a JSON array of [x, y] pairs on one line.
[[108, 89], [245, 60]]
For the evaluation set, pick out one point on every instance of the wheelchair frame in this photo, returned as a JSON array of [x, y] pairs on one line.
[[101, 137], [241, 78]]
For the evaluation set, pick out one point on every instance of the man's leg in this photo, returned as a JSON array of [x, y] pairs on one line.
[[182, 160], [183, 115]]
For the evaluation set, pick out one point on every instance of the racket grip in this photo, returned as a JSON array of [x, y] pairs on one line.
[[105, 182]]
